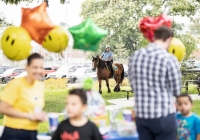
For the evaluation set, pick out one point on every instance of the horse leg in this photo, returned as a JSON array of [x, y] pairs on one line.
[[115, 89], [107, 84], [100, 82], [118, 84]]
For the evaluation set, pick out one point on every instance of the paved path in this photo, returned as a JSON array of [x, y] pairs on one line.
[[123, 102]]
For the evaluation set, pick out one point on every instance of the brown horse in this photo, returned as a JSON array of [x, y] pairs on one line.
[[104, 74]]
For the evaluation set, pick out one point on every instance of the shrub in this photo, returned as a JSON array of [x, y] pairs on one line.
[[52, 84]]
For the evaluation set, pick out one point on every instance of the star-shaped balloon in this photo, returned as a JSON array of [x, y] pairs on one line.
[[36, 21], [87, 35]]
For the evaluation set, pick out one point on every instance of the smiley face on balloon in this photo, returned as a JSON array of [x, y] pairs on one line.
[[56, 40], [16, 43]]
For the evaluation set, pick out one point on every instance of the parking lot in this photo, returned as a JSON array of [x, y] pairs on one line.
[[74, 73]]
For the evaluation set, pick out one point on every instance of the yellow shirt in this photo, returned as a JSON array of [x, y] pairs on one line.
[[23, 97]]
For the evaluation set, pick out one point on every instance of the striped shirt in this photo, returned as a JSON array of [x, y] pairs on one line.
[[155, 78]]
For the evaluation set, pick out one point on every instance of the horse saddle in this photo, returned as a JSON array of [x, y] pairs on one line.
[[115, 68]]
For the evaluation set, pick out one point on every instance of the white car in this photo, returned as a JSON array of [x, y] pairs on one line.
[[64, 71], [60, 73], [81, 73], [23, 74]]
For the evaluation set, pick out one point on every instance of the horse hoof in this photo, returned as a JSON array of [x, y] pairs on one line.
[[100, 92], [109, 91]]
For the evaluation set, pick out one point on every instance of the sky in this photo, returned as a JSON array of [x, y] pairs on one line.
[[57, 12]]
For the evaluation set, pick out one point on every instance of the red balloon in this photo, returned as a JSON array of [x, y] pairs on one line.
[[147, 25]]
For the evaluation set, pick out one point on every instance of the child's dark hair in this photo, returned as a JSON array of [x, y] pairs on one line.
[[32, 57], [81, 93], [185, 95]]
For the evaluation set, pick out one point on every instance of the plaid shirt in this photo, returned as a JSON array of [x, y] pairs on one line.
[[155, 78]]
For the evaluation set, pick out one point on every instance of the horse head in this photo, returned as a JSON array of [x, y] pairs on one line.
[[95, 62]]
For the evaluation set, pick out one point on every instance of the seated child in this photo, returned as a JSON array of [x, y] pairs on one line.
[[77, 127], [188, 122]]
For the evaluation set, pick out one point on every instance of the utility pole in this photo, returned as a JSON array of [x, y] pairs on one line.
[[66, 51]]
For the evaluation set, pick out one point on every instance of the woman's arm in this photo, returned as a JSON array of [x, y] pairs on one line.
[[8, 110]]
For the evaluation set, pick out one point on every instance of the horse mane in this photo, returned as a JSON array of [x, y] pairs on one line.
[[101, 63]]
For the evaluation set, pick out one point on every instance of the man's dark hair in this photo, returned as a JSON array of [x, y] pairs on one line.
[[81, 93], [163, 33], [32, 57], [185, 95]]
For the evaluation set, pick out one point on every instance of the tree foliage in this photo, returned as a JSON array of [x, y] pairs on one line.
[[3, 21], [121, 17]]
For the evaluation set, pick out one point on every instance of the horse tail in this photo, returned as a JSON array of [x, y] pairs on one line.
[[122, 75]]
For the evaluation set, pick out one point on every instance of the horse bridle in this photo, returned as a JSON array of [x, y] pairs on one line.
[[97, 64]]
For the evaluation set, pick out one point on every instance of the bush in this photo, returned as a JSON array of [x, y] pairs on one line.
[[52, 84]]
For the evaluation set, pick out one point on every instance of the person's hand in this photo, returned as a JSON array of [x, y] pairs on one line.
[[40, 116]]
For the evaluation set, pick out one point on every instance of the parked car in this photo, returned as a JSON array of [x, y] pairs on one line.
[[10, 73], [60, 73], [197, 64], [23, 74], [48, 70], [4, 68], [81, 73], [63, 71]]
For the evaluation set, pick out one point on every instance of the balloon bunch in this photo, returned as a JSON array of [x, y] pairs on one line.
[[36, 25], [148, 25]]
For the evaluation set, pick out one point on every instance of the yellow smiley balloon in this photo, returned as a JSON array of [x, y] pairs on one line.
[[56, 40], [16, 43], [177, 48]]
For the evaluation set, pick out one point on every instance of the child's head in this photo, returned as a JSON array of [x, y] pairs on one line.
[[184, 104], [76, 103]]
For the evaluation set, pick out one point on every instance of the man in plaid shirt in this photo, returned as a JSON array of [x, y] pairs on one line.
[[155, 78]]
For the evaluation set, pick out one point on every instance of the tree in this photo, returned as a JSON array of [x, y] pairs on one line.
[[121, 17], [3, 21]]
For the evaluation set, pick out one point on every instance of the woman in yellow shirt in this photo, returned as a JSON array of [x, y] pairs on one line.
[[22, 101]]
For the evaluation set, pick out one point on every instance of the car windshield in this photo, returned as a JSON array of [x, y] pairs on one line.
[[8, 71], [63, 69], [1, 70]]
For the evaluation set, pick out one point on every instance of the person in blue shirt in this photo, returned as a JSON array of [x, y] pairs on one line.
[[107, 56], [188, 122]]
